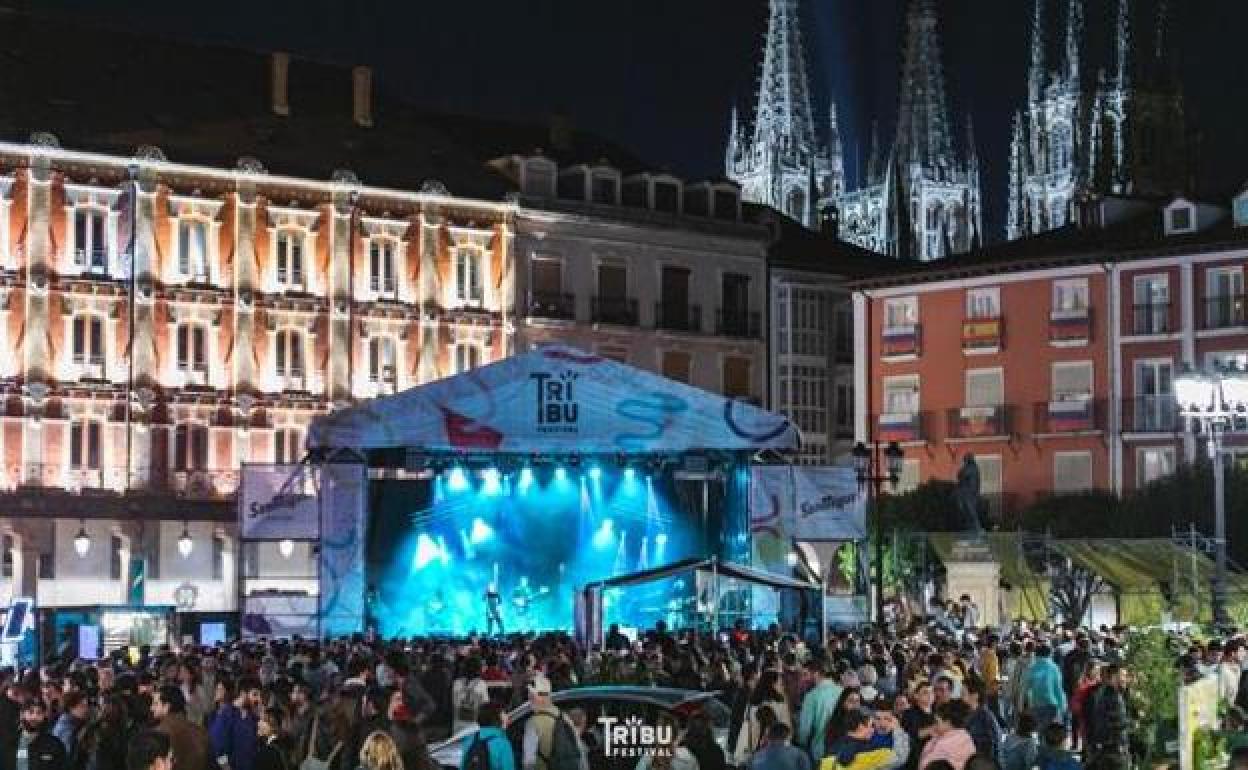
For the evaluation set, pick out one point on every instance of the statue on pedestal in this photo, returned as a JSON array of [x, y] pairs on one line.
[[967, 494]]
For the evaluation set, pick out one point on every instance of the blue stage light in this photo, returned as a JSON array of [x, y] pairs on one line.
[[426, 551], [526, 478], [595, 473], [480, 532], [493, 481], [630, 474], [605, 534], [561, 473], [458, 480], [660, 539]]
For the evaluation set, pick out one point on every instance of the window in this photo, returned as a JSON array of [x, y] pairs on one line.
[[468, 276], [1072, 381], [218, 557], [1152, 304], [547, 277], [115, 544], [612, 282], [666, 197], [1224, 297], [190, 447], [1180, 220], [467, 357], [382, 369], [1241, 211], [191, 346], [87, 345], [844, 333], [290, 259], [984, 388], [726, 205], [287, 445], [193, 249], [844, 407], [84, 445], [901, 312], [1070, 298], [1226, 359], [288, 359], [1072, 472], [381, 266], [983, 303], [90, 242], [901, 395], [737, 377], [736, 294], [1152, 463], [676, 365], [1154, 395]]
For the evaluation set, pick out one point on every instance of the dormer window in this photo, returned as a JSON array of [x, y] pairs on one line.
[[605, 188], [193, 250], [290, 272], [90, 239], [1180, 217], [1240, 212], [539, 177]]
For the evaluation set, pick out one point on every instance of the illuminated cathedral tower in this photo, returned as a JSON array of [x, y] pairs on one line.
[[922, 200], [780, 160], [1095, 128]]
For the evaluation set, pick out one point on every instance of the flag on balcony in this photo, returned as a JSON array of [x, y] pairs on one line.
[[1069, 327], [981, 334], [899, 427], [981, 421], [1067, 416], [901, 340]]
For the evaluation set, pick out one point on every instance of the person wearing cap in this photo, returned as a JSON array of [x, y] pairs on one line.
[[816, 711], [539, 730]]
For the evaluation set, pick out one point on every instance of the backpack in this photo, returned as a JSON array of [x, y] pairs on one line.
[[565, 749], [469, 702], [478, 755], [311, 761]]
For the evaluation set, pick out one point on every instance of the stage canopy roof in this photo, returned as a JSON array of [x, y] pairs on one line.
[[722, 568], [555, 400]]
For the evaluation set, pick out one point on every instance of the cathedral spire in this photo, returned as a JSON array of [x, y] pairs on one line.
[[1035, 75], [784, 95], [923, 112], [734, 135], [1074, 35], [1122, 45]]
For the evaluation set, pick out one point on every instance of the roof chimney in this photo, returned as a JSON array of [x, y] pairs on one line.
[[362, 96], [279, 72]]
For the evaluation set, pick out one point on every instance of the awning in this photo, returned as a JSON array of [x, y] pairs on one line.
[[722, 568], [556, 400]]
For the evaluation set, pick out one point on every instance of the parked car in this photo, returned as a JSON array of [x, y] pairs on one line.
[[621, 702]]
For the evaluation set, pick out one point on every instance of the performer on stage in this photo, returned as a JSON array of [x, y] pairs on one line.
[[522, 597], [493, 609]]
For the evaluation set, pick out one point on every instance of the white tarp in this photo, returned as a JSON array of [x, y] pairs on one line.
[[827, 504], [555, 400], [279, 502], [344, 495]]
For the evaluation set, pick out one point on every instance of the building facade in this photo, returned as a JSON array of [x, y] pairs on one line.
[[1106, 125], [1052, 362]]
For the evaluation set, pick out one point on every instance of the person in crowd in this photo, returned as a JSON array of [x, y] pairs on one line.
[[982, 724], [670, 753], [468, 693], [540, 748], [378, 752], [838, 726], [1044, 695], [1108, 718], [149, 750], [232, 733], [71, 723], [1022, 747], [191, 747], [270, 754], [988, 669], [817, 708], [1088, 682], [777, 753], [754, 733], [36, 748], [863, 747], [919, 722], [950, 741], [1054, 754], [700, 740], [740, 703], [491, 739]]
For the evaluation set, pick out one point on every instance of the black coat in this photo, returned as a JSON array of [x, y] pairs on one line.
[[44, 753]]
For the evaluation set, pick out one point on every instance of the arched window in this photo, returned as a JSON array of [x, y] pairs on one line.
[[290, 273], [191, 345], [87, 346], [382, 366], [381, 266], [288, 360]]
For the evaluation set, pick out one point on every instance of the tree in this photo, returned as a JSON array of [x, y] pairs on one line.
[[1073, 587]]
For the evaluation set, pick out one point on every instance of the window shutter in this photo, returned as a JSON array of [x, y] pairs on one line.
[[198, 350], [75, 444], [388, 273], [1072, 382], [97, 237], [93, 445], [984, 388], [180, 441], [296, 260], [279, 358], [97, 341]]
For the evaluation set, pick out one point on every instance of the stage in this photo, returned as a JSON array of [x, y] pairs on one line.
[[498, 494]]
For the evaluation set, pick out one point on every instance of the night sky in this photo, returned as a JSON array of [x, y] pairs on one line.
[[659, 76]]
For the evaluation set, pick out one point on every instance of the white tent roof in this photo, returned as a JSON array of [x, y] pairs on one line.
[[555, 400]]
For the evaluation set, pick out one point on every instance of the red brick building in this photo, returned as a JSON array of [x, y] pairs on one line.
[[1051, 359]]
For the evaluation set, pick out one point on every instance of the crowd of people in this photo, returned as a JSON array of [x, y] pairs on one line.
[[943, 695]]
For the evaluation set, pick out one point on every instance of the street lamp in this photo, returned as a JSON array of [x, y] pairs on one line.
[[1214, 401], [185, 544], [82, 541], [286, 548], [867, 465]]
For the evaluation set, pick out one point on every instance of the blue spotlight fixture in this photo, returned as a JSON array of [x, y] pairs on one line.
[[561, 473], [595, 473], [526, 478], [480, 532], [458, 480], [660, 539], [605, 534], [493, 481], [426, 551], [630, 474]]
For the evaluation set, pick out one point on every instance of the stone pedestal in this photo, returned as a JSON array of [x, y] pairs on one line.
[[972, 570]]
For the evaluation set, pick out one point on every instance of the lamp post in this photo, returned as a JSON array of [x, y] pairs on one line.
[[867, 464], [1214, 401]]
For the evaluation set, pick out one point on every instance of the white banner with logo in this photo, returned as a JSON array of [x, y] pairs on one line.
[[279, 502], [828, 505]]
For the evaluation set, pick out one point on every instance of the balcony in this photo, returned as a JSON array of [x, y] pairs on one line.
[[1151, 414], [745, 324], [111, 492], [677, 318], [971, 423], [92, 261], [1070, 327], [553, 306], [1151, 318], [1069, 417], [902, 427], [982, 335], [619, 311], [1226, 311], [900, 341]]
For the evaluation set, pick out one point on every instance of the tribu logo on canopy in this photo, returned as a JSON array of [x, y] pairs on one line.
[[557, 407]]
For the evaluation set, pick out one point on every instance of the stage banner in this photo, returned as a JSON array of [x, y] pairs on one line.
[[279, 502], [344, 505], [828, 504], [771, 533], [280, 616]]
